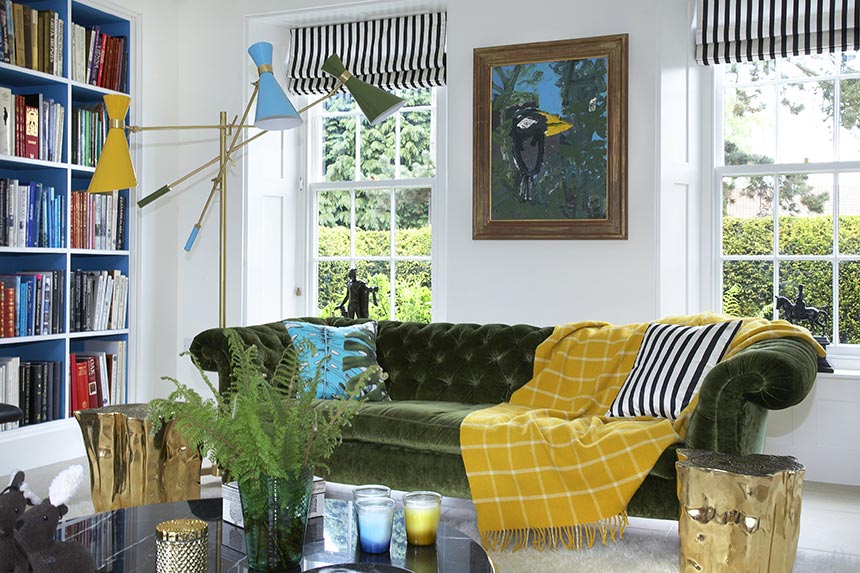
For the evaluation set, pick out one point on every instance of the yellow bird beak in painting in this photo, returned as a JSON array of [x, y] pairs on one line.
[[554, 124]]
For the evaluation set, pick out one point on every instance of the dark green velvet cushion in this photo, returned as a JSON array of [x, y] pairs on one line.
[[418, 424]]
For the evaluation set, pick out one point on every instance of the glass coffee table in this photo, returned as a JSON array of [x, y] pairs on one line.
[[124, 541]]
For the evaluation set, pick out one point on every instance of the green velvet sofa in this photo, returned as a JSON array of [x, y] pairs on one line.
[[440, 372]]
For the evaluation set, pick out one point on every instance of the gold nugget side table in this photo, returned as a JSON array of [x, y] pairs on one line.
[[130, 465], [738, 513]]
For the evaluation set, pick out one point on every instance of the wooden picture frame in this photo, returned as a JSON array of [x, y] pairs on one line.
[[557, 168]]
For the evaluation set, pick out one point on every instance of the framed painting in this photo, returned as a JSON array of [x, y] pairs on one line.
[[550, 140]]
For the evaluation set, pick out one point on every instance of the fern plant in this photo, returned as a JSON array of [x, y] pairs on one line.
[[260, 427]]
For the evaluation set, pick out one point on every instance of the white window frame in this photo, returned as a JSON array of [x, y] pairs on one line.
[[436, 185], [841, 356]]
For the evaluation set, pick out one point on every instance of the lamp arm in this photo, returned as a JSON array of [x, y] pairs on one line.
[[217, 181], [138, 128], [337, 86]]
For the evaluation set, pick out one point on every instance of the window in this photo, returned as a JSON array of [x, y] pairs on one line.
[[371, 189], [790, 180]]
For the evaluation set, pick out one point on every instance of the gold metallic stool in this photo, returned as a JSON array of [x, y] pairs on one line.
[[738, 513], [182, 546], [130, 465]]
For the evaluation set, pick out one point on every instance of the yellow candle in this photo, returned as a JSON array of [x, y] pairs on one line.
[[421, 510]]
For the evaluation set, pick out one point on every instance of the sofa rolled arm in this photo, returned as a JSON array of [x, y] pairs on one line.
[[210, 350], [737, 393]]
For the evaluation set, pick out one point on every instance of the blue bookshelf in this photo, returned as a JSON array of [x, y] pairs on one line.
[[78, 218]]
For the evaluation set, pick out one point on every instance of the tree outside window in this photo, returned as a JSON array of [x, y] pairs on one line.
[[790, 185], [372, 192]]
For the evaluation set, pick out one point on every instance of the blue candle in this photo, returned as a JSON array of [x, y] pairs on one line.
[[375, 516]]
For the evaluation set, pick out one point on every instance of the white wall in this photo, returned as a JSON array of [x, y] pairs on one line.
[[195, 65], [547, 282], [821, 431]]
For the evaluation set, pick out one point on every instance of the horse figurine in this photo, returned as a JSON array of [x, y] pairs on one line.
[[817, 318]]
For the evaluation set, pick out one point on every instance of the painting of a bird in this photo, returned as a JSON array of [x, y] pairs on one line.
[[530, 127]]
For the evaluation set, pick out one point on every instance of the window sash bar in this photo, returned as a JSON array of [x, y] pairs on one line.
[[786, 168], [373, 184]]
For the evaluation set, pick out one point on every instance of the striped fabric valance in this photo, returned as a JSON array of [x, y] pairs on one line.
[[403, 52], [745, 30]]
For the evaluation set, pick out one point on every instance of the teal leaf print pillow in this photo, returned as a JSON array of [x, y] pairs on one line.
[[341, 354]]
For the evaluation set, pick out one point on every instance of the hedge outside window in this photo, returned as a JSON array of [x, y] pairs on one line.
[[790, 184], [372, 187]]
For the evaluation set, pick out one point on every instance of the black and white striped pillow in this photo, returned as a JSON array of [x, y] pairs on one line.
[[669, 368]]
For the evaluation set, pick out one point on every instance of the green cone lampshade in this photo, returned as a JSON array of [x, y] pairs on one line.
[[114, 170], [376, 104]]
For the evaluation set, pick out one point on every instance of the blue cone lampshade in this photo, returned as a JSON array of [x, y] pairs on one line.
[[114, 170], [274, 110], [376, 104]]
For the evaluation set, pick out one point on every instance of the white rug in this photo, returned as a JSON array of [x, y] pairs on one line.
[[640, 551], [645, 553]]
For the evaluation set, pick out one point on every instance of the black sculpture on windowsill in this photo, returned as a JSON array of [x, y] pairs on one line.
[[815, 319], [358, 295]]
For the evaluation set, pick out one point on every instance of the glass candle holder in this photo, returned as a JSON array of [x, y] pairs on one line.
[[375, 517], [367, 491], [371, 490], [421, 510]]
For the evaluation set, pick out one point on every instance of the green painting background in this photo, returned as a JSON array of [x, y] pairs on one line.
[[572, 182]]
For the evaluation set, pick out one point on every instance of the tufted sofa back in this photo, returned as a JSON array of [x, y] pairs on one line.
[[471, 363]]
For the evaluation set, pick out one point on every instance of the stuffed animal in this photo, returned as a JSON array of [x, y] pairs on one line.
[[13, 501], [35, 530]]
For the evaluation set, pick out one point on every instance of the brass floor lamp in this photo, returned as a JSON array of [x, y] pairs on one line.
[[114, 170]]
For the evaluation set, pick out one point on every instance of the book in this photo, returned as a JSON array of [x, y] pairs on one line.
[[114, 354], [10, 34], [92, 385], [82, 383], [34, 38], [10, 297], [101, 371], [31, 127], [57, 411], [4, 38], [12, 394], [7, 121], [24, 393], [26, 35]]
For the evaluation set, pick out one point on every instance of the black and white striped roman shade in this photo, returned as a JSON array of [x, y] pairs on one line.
[[744, 30], [402, 52], [669, 368]]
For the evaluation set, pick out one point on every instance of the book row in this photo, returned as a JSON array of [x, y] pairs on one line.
[[96, 378], [97, 375], [31, 125], [34, 215], [99, 59], [31, 38], [99, 221], [88, 134], [32, 303], [99, 300], [34, 386]]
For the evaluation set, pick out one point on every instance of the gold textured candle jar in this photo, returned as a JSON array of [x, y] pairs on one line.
[[181, 546]]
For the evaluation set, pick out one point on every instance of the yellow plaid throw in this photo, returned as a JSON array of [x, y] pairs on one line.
[[549, 463]]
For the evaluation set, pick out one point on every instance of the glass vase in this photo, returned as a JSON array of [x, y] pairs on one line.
[[275, 511]]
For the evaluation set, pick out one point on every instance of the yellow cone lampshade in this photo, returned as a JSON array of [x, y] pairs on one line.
[[376, 104], [114, 170]]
